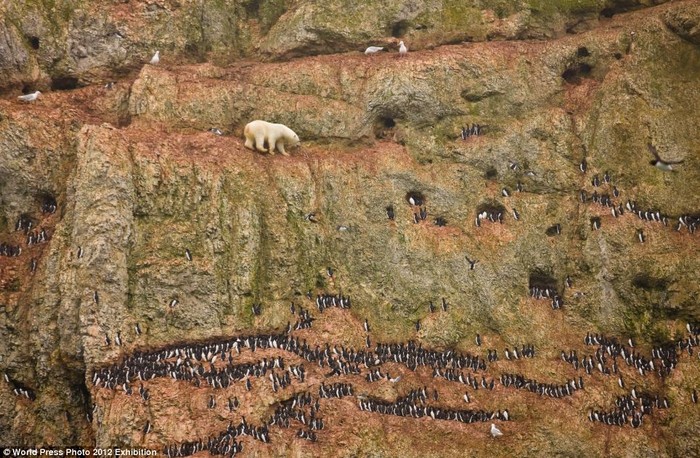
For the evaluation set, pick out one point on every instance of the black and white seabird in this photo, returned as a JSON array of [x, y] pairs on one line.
[[415, 199], [583, 166], [390, 212], [516, 215], [478, 340], [440, 221], [147, 427], [640, 236], [188, 254], [423, 213], [666, 166], [554, 230], [118, 339], [694, 397], [505, 192], [173, 302], [366, 325], [137, 329], [444, 305]]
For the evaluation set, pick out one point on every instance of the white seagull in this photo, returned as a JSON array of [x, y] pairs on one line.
[[495, 432], [403, 50], [156, 58], [373, 50], [29, 97]]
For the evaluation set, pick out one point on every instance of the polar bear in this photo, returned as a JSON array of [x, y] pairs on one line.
[[276, 135]]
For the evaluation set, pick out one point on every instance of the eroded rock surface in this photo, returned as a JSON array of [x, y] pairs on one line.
[[139, 181]]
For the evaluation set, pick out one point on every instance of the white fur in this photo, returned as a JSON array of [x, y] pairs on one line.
[[277, 136]]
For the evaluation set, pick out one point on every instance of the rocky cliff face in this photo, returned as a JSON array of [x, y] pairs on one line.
[[124, 181]]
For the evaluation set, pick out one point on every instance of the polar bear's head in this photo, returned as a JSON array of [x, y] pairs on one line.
[[295, 141]]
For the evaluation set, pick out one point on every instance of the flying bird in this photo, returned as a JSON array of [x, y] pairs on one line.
[[666, 166]]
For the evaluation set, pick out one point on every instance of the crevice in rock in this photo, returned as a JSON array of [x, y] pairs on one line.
[[582, 51], [388, 122], [607, 12], [417, 197], [64, 83], [252, 8], [649, 283], [399, 29], [491, 173], [621, 6], [383, 125], [47, 202], [491, 207], [471, 96], [575, 73], [541, 279], [34, 42]]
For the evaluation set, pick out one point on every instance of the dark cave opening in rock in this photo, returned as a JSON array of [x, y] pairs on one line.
[[415, 198], [64, 83], [399, 29], [252, 8], [491, 207], [649, 283], [34, 42], [575, 73], [583, 52], [607, 12], [541, 279], [491, 173]]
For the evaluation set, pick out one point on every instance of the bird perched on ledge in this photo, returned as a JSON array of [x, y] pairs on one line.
[[29, 97], [403, 50]]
